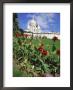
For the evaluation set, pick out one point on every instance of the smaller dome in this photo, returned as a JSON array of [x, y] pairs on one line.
[[39, 27]]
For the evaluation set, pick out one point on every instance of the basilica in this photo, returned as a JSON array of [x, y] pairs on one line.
[[33, 26]]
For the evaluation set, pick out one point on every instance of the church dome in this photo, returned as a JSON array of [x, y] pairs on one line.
[[33, 26], [32, 22]]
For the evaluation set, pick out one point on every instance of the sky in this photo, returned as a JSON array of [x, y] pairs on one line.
[[47, 21]]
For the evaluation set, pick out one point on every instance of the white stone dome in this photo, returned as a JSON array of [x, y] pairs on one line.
[[33, 26]]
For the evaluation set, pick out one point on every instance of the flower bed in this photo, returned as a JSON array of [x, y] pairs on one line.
[[38, 57]]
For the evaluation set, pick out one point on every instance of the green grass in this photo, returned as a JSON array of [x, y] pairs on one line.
[[17, 73], [47, 43]]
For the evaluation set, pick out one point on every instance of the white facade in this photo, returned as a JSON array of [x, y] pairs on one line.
[[48, 35], [35, 29], [33, 26]]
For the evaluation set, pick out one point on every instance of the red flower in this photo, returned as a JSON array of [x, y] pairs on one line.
[[44, 52], [26, 35], [54, 38], [17, 34], [58, 52], [40, 49]]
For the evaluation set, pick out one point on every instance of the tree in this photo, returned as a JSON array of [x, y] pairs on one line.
[[15, 24]]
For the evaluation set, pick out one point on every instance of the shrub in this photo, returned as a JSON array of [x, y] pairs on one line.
[[55, 38]]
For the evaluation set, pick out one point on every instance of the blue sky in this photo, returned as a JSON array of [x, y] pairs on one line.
[[47, 21]]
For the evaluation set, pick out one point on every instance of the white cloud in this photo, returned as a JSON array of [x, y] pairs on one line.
[[51, 15], [44, 20]]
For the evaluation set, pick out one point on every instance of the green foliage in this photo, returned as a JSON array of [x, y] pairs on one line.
[[53, 47], [17, 73], [29, 53], [15, 25]]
